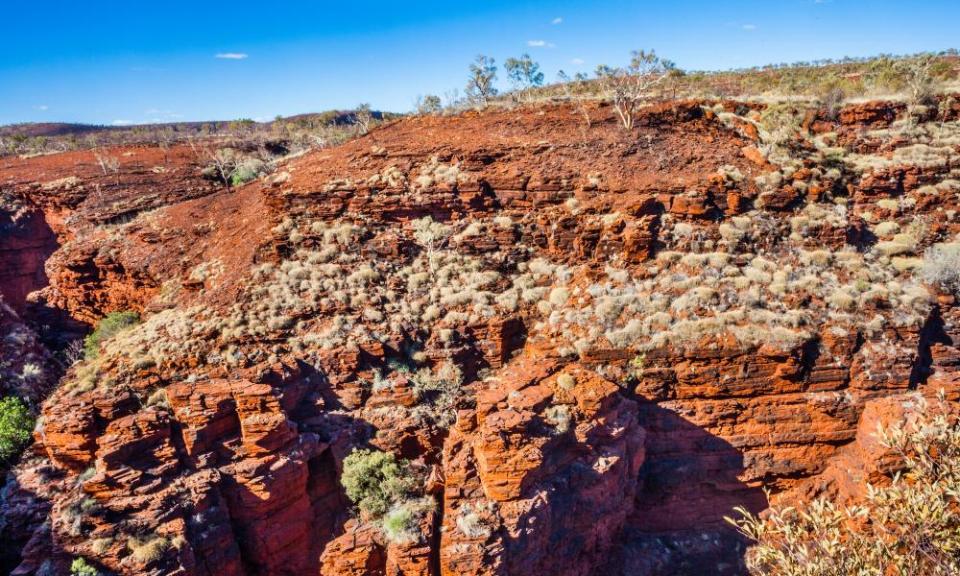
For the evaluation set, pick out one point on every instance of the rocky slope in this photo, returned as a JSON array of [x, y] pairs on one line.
[[589, 344]]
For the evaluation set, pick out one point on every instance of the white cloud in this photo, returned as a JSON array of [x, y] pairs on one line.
[[159, 113], [557, 20], [232, 56], [121, 122], [749, 26], [41, 107], [577, 61], [540, 44]]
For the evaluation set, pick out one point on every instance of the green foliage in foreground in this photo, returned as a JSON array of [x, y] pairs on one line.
[[80, 567], [385, 488], [908, 526], [16, 425], [108, 327]]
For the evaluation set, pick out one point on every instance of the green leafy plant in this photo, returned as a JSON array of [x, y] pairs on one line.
[[16, 424], [908, 526], [246, 170], [80, 567], [386, 491], [375, 481], [112, 324]]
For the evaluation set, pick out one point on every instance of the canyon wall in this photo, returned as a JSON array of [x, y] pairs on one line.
[[588, 344]]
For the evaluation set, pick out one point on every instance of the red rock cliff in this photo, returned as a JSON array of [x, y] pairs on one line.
[[592, 344]]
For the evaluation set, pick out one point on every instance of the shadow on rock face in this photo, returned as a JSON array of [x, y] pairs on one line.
[[25, 245], [689, 481]]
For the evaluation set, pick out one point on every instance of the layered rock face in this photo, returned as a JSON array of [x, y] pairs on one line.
[[516, 487], [588, 345], [25, 245]]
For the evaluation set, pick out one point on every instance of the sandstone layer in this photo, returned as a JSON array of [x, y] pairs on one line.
[[590, 343]]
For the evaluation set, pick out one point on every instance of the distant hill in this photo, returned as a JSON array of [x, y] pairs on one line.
[[66, 129], [317, 128], [49, 129]]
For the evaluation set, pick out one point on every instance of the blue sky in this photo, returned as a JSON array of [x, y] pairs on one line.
[[140, 61]]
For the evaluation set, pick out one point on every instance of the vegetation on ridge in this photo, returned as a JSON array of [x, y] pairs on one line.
[[106, 329]]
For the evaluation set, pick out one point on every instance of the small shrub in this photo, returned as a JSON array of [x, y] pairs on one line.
[[159, 399], [566, 382], [80, 567], [376, 481], [429, 104], [439, 392], [16, 424], [559, 296], [472, 523], [941, 267], [112, 324], [559, 417], [247, 171], [909, 526], [832, 102], [100, 546], [401, 525], [151, 550]]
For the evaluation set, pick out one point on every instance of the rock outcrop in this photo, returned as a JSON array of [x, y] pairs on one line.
[[588, 344]]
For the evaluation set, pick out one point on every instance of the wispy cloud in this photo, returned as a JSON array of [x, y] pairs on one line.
[[121, 122], [749, 26], [232, 56], [41, 107], [158, 113], [540, 44], [577, 61], [557, 20]]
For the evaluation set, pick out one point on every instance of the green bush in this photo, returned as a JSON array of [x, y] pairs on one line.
[[247, 171], [80, 567], [375, 481], [905, 526], [112, 324], [16, 424]]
